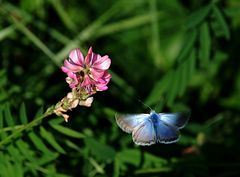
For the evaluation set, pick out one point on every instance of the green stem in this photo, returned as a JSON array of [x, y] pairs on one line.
[[27, 126], [11, 128]]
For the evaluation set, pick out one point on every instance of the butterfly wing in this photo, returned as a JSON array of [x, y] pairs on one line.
[[176, 119], [166, 133], [128, 122], [144, 133]]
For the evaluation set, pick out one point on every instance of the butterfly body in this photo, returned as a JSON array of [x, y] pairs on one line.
[[148, 129]]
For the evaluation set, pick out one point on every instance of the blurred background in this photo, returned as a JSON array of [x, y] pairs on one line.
[[175, 55]]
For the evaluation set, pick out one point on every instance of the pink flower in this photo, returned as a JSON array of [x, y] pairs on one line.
[[89, 73]]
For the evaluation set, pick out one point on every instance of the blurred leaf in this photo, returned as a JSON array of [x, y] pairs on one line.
[[67, 131], [51, 140], [153, 170], [24, 148], [221, 22], [32, 37], [101, 151], [23, 114], [72, 145], [195, 128], [8, 115], [131, 156], [187, 140], [98, 168], [2, 134], [47, 158], [173, 83], [158, 89], [205, 44], [151, 159], [31, 5], [155, 42], [116, 168], [38, 143], [14, 153], [188, 45], [39, 112], [3, 77], [197, 17], [4, 33], [122, 84], [61, 11]]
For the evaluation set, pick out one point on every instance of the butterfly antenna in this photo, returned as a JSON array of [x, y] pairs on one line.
[[145, 105]]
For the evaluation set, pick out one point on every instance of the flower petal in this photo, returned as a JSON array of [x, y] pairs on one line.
[[102, 63], [69, 67], [101, 87], [72, 80], [96, 74], [88, 58], [76, 57], [87, 81], [102, 83]]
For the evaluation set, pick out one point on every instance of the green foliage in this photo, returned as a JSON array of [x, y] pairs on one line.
[[174, 55]]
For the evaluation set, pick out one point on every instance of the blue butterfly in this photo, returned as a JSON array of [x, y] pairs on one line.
[[148, 129]]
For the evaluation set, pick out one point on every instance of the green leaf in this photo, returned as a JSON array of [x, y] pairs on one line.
[[33, 38], [2, 134], [51, 140], [72, 145], [3, 77], [14, 153], [25, 150], [23, 114], [159, 88], [18, 169], [57, 120], [38, 143], [8, 116], [131, 156], [45, 159], [101, 151], [188, 45], [192, 64], [63, 14], [67, 131], [39, 112], [205, 44], [197, 17], [183, 78], [221, 21], [173, 88], [1, 118], [9, 169], [151, 159], [116, 172], [156, 170], [3, 170]]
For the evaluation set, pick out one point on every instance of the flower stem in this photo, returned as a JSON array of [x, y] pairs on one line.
[[31, 124]]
